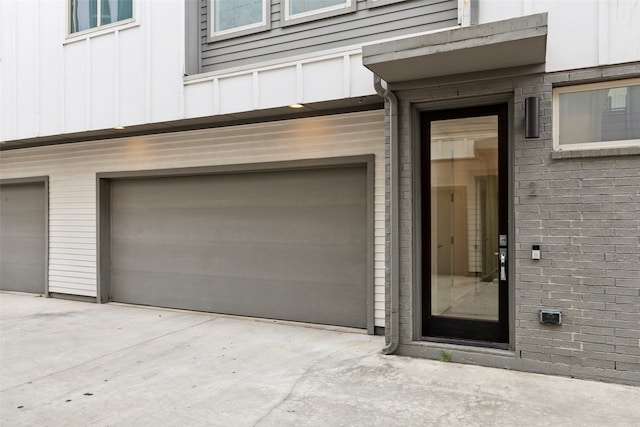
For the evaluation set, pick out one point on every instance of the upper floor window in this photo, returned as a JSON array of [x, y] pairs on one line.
[[230, 16], [95, 14], [599, 115], [295, 9]]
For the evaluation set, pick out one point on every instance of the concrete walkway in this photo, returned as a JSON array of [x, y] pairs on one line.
[[67, 363]]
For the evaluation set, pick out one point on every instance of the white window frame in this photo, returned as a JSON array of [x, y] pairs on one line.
[[258, 26], [346, 6], [377, 3], [99, 28], [595, 145]]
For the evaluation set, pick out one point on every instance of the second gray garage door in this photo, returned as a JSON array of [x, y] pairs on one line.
[[286, 244], [23, 218]]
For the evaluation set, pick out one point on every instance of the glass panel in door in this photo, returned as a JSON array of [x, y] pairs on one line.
[[464, 221]]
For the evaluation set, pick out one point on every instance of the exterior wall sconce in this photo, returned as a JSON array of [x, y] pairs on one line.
[[532, 117]]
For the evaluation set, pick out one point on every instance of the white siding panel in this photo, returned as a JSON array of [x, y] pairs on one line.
[[68, 287], [132, 69], [72, 170], [52, 21], [323, 76], [276, 88], [562, 52], [199, 99], [236, 93], [27, 73], [167, 59], [323, 79], [361, 78], [80, 257], [603, 36], [73, 272], [84, 208], [73, 260], [68, 223], [103, 81], [76, 85], [53, 85], [67, 238], [76, 282], [73, 232], [8, 72], [61, 216], [622, 25]]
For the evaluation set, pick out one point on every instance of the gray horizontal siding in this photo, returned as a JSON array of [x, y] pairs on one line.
[[364, 25]]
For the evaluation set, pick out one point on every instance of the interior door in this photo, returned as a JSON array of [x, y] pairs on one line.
[[464, 224]]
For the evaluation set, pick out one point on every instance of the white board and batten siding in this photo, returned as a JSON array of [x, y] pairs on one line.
[[72, 170], [607, 30], [133, 74]]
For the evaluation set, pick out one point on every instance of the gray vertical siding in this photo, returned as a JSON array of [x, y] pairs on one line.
[[192, 34], [362, 26]]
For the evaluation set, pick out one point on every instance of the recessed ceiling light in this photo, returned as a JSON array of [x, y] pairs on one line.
[[119, 127], [296, 106]]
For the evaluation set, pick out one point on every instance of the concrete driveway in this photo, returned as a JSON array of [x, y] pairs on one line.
[[66, 363]]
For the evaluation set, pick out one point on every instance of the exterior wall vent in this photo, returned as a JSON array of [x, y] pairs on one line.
[[553, 317]]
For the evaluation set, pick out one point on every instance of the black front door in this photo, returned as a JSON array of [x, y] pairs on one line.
[[464, 224]]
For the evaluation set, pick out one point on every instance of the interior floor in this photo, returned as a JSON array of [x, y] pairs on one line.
[[464, 297]]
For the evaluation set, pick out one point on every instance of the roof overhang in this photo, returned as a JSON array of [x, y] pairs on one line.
[[346, 105], [510, 44]]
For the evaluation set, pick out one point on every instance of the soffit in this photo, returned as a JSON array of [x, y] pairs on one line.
[[512, 43], [346, 105]]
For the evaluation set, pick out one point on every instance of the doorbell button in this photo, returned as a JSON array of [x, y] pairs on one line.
[[535, 252]]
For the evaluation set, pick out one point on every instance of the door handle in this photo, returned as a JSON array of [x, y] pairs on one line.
[[503, 263]]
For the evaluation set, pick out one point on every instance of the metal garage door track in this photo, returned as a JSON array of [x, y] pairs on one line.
[[68, 363]]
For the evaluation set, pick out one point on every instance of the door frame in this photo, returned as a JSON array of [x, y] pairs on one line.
[[418, 108]]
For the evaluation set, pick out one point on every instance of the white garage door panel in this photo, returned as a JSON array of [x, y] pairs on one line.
[[282, 244]]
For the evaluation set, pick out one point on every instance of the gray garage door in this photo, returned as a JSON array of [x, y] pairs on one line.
[[22, 237], [279, 244]]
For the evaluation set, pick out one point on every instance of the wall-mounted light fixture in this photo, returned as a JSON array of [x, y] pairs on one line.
[[532, 117]]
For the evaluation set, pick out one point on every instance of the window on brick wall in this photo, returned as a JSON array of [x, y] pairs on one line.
[[599, 115], [85, 15], [237, 16]]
